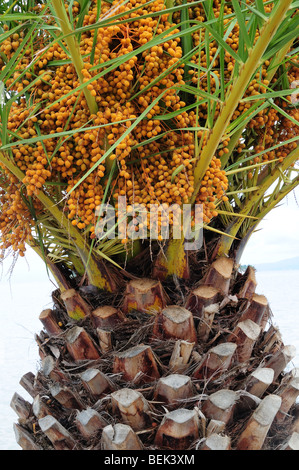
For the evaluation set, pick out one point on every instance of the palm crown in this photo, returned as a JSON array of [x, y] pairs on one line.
[[124, 125]]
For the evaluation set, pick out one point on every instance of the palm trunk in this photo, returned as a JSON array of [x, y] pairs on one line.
[[211, 358]]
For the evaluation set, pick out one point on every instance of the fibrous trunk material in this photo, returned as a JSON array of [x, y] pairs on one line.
[[153, 369]]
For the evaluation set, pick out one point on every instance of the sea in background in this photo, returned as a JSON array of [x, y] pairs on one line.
[[21, 304], [281, 289]]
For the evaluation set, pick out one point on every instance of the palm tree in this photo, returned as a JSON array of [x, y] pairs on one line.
[[120, 120]]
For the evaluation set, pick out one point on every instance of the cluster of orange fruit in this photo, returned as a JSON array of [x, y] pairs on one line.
[[153, 162], [15, 216], [266, 120]]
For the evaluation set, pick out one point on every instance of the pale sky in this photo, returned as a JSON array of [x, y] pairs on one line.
[[278, 235]]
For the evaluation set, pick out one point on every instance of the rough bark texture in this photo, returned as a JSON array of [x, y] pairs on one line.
[[157, 367]]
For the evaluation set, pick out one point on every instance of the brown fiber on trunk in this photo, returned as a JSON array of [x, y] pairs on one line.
[[207, 379]]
